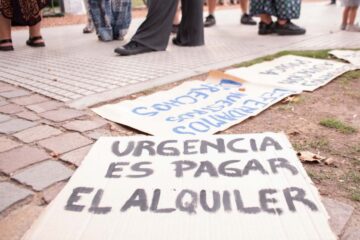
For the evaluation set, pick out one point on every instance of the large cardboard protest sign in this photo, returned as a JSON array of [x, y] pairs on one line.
[[223, 187], [194, 107], [352, 57], [293, 72]]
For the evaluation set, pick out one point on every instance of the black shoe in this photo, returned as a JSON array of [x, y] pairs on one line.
[[209, 21], [265, 29], [247, 20], [6, 48], [288, 29], [132, 48]]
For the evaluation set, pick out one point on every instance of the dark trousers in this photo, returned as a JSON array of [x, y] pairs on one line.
[[154, 32]]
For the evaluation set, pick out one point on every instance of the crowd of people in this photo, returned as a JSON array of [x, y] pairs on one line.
[[111, 20]]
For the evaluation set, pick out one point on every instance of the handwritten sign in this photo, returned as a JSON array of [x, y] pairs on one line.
[[222, 187], [293, 72], [352, 57], [195, 107]]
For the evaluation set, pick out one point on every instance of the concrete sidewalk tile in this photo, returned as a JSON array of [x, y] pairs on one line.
[[29, 100], [45, 106], [18, 158], [43, 175], [28, 115], [50, 193], [14, 225], [340, 214], [11, 194], [11, 109], [15, 93], [351, 234], [76, 156], [7, 144], [84, 125], [62, 114], [37, 133], [15, 125], [3, 102], [65, 142], [7, 88], [4, 117]]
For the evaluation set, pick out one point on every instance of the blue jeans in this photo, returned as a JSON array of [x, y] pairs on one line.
[[111, 18]]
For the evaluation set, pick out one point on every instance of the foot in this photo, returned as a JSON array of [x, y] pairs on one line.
[[36, 41], [343, 26], [132, 48], [266, 28], [209, 21], [88, 29], [246, 19], [288, 29], [353, 28], [6, 45]]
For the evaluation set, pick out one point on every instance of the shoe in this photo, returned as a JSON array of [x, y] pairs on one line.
[[32, 42], [246, 19], [132, 48], [6, 48], [288, 29], [265, 29], [88, 29], [209, 21], [175, 28], [343, 27], [353, 28]]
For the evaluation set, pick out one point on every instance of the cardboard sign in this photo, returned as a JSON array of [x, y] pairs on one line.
[[195, 107], [74, 6], [293, 72], [352, 57], [222, 187]]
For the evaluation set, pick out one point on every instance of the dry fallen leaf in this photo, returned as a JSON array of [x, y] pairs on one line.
[[290, 99], [309, 157]]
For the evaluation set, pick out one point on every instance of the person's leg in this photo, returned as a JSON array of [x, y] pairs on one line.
[[121, 18], [191, 29], [210, 19], [153, 34], [351, 20], [5, 30], [345, 18], [101, 15], [245, 18], [89, 28], [176, 20], [35, 38]]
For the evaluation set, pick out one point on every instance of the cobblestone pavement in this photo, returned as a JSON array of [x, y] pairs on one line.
[[40, 133]]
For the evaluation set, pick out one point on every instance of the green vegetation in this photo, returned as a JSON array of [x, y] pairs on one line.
[[355, 196], [338, 125], [137, 3]]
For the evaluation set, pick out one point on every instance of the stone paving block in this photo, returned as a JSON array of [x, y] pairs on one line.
[[15, 93], [351, 234], [14, 225], [50, 193], [96, 134], [43, 175], [45, 106], [7, 144], [29, 100], [340, 214], [37, 133], [18, 158], [7, 88], [11, 194], [65, 142], [62, 114], [76, 156], [84, 125], [28, 115], [11, 109], [3, 102], [4, 117], [15, 125]]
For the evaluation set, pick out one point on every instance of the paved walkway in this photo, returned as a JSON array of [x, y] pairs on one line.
[[40, 134], [79, 70]]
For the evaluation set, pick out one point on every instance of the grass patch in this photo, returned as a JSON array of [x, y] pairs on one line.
[[355, 196], [338, 125], [320, 143]]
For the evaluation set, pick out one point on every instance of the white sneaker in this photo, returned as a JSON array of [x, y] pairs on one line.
[[353, 28]]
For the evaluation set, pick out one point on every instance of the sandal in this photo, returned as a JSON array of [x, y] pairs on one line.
[[6, 48], [32, 42]]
